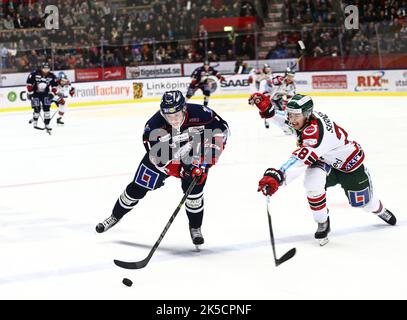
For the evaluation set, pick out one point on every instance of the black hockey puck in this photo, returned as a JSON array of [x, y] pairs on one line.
[[127, 282]]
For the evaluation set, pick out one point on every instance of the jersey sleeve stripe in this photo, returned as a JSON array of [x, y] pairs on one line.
[[291, 161]]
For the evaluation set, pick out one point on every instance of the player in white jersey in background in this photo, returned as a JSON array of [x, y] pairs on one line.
[[64, 90], [283, 90], [262, 79], [327, 157]]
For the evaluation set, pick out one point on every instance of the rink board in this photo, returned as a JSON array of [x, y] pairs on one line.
[[340, 83]]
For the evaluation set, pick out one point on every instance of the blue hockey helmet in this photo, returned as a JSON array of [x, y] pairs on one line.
[[45, 67], [172, 108], [172, 102], [62, 75]]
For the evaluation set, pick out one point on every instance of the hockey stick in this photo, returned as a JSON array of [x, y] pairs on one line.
[[45, 126], [143, 263], [57, 110], [302, 51], [36, 127], [290, 253]]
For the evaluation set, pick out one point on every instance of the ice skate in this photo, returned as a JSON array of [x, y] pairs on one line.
[[60, 122], [48, 128], [322, 232], [197, 238], [106, 224], [389, 217], [266, 124], [35, 125]]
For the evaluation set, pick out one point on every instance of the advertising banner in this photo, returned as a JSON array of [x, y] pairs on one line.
[[20, 79], [88, 74], [152, 88], [237, 84], [114, 73], [399, 80], [155, 71], [371, 81], [101, 92], [329, 81], [99, 74], [15, 97]]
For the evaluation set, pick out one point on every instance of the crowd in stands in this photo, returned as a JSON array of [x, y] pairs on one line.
[[158, 31], [97, 33], [382, 26]]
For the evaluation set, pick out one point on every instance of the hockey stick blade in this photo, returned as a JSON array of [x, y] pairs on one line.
[[131, 265], [287, 256], [141, 264]]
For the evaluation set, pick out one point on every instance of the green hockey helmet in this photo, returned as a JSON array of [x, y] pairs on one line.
[[300, 104]]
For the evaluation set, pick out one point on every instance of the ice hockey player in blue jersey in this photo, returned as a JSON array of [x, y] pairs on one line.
[[202, 78], [182, 140], [41, 88]]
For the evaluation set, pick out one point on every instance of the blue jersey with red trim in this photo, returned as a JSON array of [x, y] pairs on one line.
[[201, 137]]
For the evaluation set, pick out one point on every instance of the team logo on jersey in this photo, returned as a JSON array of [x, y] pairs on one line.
[[359, 198], [181, 137], [309, 142], [310, 130], [146, 177], [137, 90], [196, 130], [212, 85]]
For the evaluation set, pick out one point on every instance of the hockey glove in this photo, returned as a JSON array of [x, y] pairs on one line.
[[271, 181], [189, 172], [72, 91], [222, 78], [263, 103], [30, 91]]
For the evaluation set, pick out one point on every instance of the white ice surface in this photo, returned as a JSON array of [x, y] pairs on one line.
[[55, 189]]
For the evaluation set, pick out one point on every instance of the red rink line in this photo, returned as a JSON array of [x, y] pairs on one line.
[[63, 180]]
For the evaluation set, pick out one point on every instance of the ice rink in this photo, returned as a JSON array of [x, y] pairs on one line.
[[55, 189]]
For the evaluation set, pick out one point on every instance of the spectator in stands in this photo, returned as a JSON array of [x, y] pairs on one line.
[[230, 55], [85, 22], [202, 33], [182, 52], [9, 23], [241, 67], [245, 51]]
